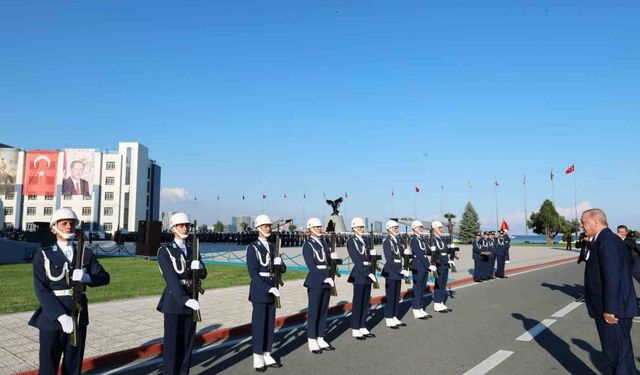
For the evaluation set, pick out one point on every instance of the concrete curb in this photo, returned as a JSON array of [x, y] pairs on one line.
[[122, 357]]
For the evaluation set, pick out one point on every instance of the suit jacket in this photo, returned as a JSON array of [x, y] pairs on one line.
[[175, 266], [607, 278], [420, 252], [260, 265], [359, 254], [317, 258], [50, 264], [69, 189], [393, 258], [476, 248], [439, 252]]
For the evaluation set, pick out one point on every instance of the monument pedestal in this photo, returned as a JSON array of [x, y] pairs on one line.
[[338, 223]]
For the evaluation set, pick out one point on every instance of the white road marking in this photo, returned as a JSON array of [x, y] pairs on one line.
[[489, 363], [565, 310], [533, 332]]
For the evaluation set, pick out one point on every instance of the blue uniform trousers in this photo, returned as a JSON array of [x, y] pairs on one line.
[[179, 330], [440, 293], [419, 283], [392, 290], [263, 322], [635, 270], [478, 270], [615, 340], [360, 305], [492, 266], [500, 259], [53, 344], [317, 312]]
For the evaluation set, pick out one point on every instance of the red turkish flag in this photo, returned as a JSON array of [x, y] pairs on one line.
[[417, 189], [504, 225], [41, 170], [570, 169]]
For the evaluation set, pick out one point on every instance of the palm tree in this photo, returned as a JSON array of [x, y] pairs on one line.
[[449, 216]]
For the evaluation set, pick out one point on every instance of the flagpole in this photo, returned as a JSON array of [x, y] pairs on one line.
[[575, 199], [304, 196], [526, 227], [553, 190], [415, 205], [263, 199], [496, 188], [441, 201], [392, 198]]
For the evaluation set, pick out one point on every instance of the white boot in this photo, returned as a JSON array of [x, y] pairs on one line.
[[268, 359], [258, 361], [324, 345], [357, 334], [390, 322], [439, 307], [397, 321], [418, 313], [314, 347]]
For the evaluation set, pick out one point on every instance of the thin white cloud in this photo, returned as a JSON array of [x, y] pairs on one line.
[[175, 194]]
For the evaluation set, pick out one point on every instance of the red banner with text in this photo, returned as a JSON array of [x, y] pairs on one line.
[[40, 173]]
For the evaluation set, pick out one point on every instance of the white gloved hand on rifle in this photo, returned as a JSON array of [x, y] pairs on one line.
[[432, 268], [405, 273], [192, 304], [277, 261], [66, 322], [334, 256], [195, 265], [372, 277], [372, 252], [81, 276], [275, 292], [329, 281]]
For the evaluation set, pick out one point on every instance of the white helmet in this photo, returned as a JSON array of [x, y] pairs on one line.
[[391, 224], [416, 223], [179, 218], [262, 220], [313, 222], [436, 224], [357, 222], [62, 214]]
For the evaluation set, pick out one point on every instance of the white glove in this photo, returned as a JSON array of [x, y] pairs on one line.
[[277, 261], [275, 292], [372, 252], [449, 246], [432, 248], [329, 281], [432, 268], [407, 252], [451, 263], [405, 273], [334, 256], [507, 261], [195, 264], [81, 276], [66, 322], [192, 304], [372, 277]]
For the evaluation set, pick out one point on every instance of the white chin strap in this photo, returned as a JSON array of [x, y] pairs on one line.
[[182, 236], [66, 236], [313, 233], [263, 233]]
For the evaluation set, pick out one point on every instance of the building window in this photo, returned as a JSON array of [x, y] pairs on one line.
[[66, 197], [111, 165], [48, 211], [108, 196], [31, 197], [108, 227], [86, 197], [8, 211], [109, 181], [9, 196], [108, 211], [31, 211], [31, 227], [48, 197], [86, 211]]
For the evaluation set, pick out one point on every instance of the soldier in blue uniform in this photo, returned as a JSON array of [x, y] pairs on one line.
[[441, 256], [361, 277], [476, 253], [502, 253], [393, 274], [263, 290], [317, 257], [420, 267], [53, 272], [176, 264], [491, 243]]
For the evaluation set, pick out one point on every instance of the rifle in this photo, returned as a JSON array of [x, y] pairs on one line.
[[276, 270], [406, 257], [433, 255], [452, 253], [195, 274], [77, 287], [373, 259], [333, 265]]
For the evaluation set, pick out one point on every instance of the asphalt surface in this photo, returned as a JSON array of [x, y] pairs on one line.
[[487, 319]]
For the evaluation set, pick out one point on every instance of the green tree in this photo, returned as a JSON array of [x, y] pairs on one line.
[[292, 227], [547, 221], [218, 226], [450, 223], [469, 225]]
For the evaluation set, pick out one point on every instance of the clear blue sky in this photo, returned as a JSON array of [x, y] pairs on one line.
[[257, 97]]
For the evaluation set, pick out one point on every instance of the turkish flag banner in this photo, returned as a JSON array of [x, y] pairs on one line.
[[570, 169], [417, 189], [504, 225], [40, 172]]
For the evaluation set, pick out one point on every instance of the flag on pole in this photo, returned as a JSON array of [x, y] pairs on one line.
[[552, 175], [392, 192], [304, 196], [504, 225], [285, 195], [346, 195], [524, 179], [470, 187], [417, 189], [218, 197], [496, 182], [441, 186], [570, 170], [324, 195], [264, 196], [242, 196]]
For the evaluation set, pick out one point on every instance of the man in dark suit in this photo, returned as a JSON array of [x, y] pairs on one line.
[[609, 292], [75, 184], [629, 239]]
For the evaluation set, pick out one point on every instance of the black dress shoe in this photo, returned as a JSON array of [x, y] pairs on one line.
[[319, 351], [478, 280], [443, 311], [424, 317], [369, 335], [361, 338], [393, 327], [402, 325], [275, 365], [448, 309], [329, 348], [261, 369]]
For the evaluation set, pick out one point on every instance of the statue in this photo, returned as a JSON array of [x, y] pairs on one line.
[[334, 205]]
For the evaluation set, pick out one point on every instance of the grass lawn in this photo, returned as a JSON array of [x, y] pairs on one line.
[[130, 277]]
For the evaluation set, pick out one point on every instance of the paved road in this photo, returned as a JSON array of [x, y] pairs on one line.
[[488, 325]]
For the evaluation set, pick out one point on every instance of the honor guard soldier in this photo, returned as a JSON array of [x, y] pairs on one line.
[[502, 253], [361, 277], [176, 303], [263, 292], [317, 256], [476, 253], [420, 269], [440, 253], [493, 241], [486, 256], [54, 277], [393, 274]]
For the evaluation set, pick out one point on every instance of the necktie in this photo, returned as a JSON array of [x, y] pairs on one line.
[[77, 187]]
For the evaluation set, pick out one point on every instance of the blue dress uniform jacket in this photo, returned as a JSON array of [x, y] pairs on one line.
[[175, 266], [476, 249], [439, 252], [609, 289], [260, 265], [49, 274], [507, 245], [393, 258], [316, 257], [359, 255], [420, 252]]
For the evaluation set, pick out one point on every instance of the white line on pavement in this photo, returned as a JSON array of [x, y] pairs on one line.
[[565, 310], [533, 332], [489, 363]]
